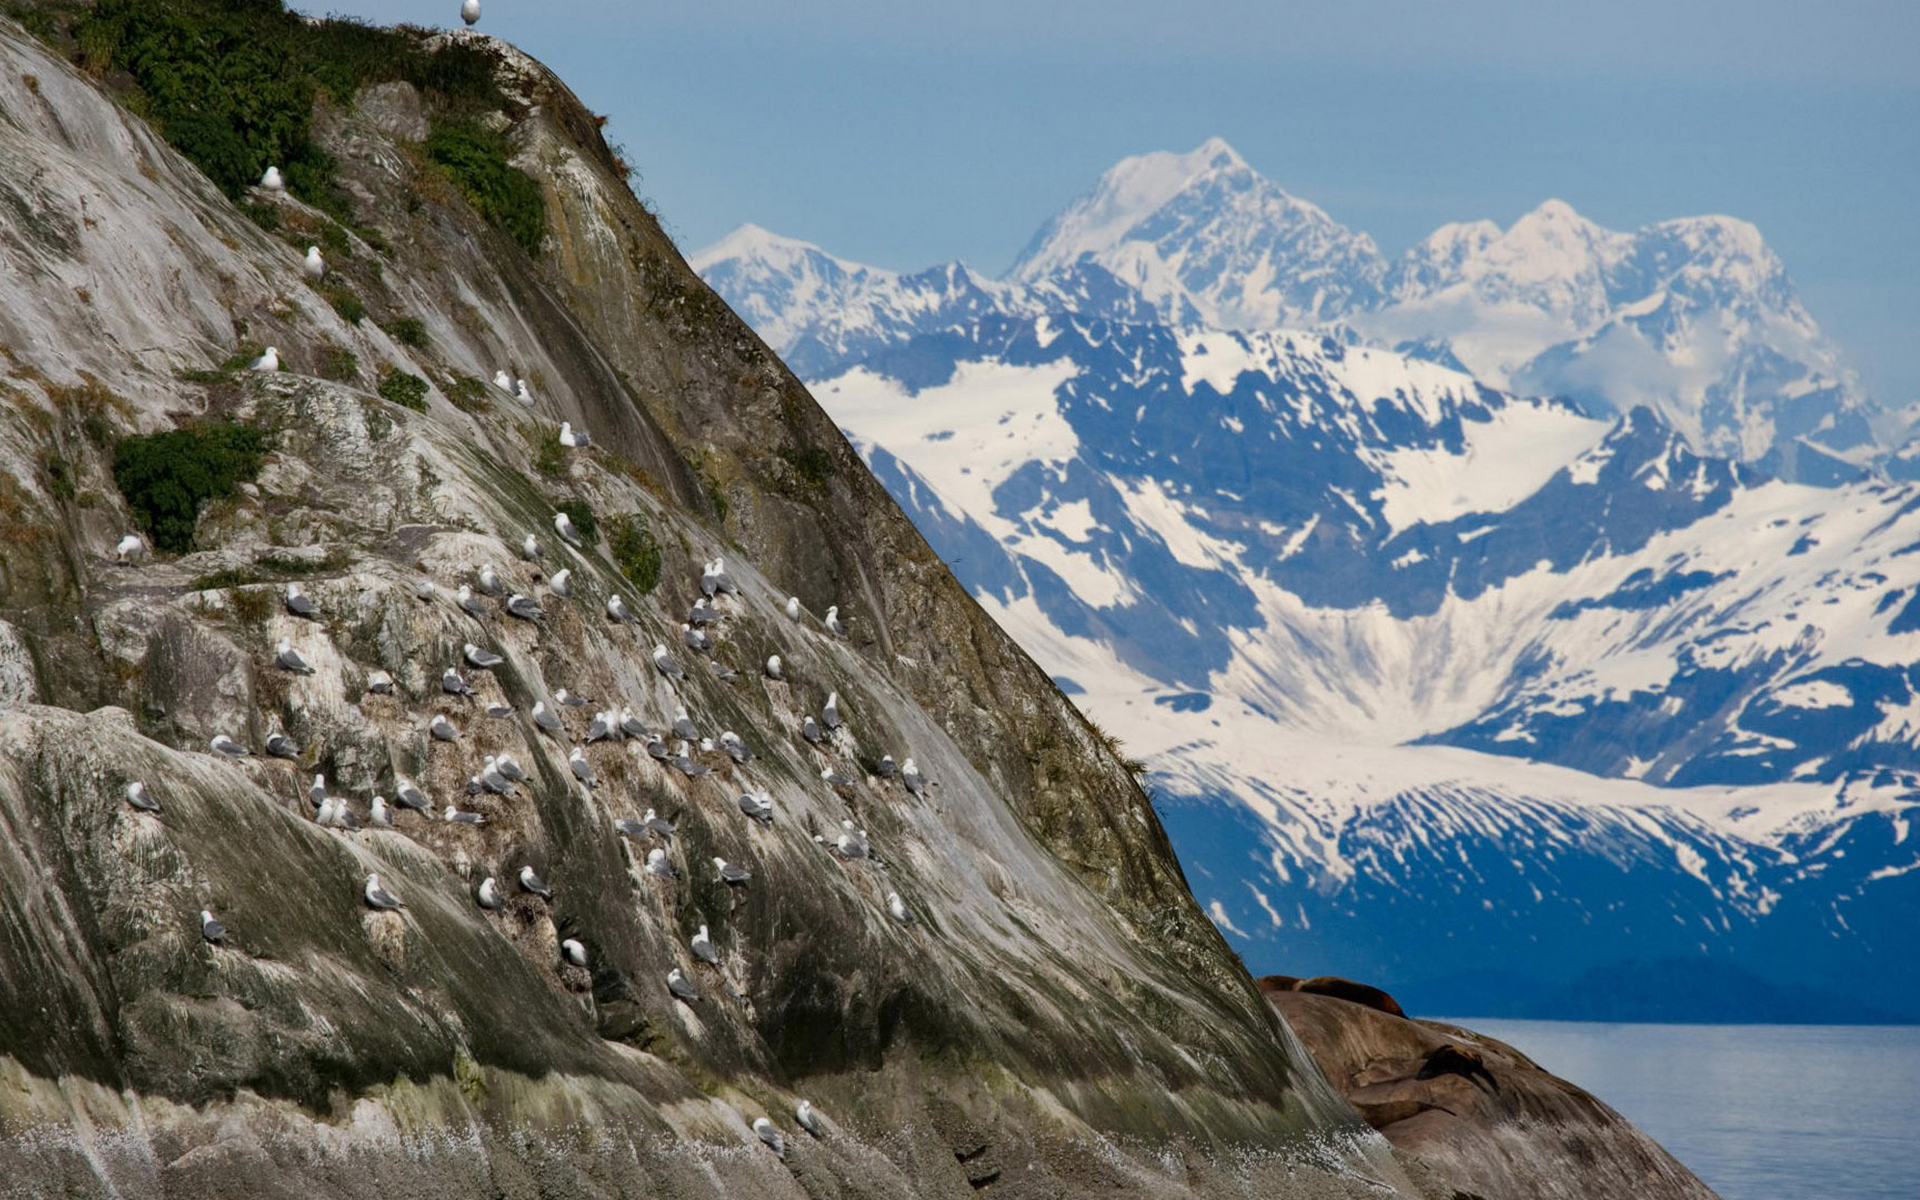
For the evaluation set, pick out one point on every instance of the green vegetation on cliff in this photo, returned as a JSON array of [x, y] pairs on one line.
[[167, 477]]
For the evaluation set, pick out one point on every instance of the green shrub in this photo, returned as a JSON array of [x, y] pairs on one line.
[[232, 83], [550, 457], [469, 395], [408, 391], [582, 518], [344, 302], [811, 463], [339, 364], [503, 194], [167, 477], [635, 550], [408, 331]]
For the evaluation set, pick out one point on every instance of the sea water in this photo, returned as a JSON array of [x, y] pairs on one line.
[[1759, 1112]]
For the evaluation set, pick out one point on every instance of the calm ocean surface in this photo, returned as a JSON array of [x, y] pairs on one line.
[[1760, 1112]]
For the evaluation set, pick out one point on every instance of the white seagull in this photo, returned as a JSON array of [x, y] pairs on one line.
[[469, 603], [582, 769], [530, 549], [833, 622], [381, 815], [731, 875], [667, 663], [378, 897], [503, 381], [573, 952], [898, 908], [315, 267], [703, 950], [288, 659], [765, 1131], [562, 582], [470, 11], [526, 608], [442, 729], [530, 882], [456, 816], [298, 602], [137, 796], [681, 987], [617, 608], [270, 361], [830, 715], [408, 795], [809, 1120], [380, 683], [657, 864], [489, 894], [521, 393], [793, 607], [273, 181], [279, 745], [563, 525], [211, 929], [130, 549], [774, 668], [757, 805], [910, 775], [571, 438], [486, 660]]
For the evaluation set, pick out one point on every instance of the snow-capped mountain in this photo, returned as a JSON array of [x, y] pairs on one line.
[[1467, 691], [1433, 678], [1694, 318]]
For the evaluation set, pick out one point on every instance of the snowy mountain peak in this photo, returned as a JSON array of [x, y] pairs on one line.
[[751, 243]]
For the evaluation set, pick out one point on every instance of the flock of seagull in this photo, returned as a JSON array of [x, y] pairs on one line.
[[502, 776]]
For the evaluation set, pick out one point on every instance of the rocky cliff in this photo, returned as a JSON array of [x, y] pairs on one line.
[[1012, 991]]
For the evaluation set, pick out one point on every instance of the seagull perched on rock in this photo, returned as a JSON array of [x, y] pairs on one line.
[[288, 659], [758, 806], [492, 780], [273, 181], [279, 745], [521, 393], [852, 843], [702, 614], [129, 549], [681, 987], [503, 381], [657, 864], [775, 669], [480, 657], [830, 714], [530, 882], [469, 603], [380, 683], [834, 779], [833, 623], [489, 894], [683, 724], [569, 699], [667, 664], [489, 581], [573, 952], [722, 582], [765, 1131], [885, 768], [457, 816], [226, 747], [545, 719], [525, 608], [688, 767], [379, 814], [603, 727], [696, 639], [571, 438], [138, 798], [442, 729], [702, 945], [561, 584], [470, 11], [618, 610], [735, 748], [408, 795], [897, 908], [510, 768], [501, 712], [628, 827], [210, 929], [378, 897], [298, 602], [582, 769], [658, 826], [810, 730], [530, 548], [910, 775], [453, 684], [730, 874], [806, 1118], [657, 748], [793, 607], [563, 525], [632, 726], [315, 267], [424, 590], [269, 361], [317, 793]]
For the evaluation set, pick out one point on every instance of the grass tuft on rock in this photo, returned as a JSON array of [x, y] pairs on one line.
[[408, 391], [476, 159], [635, 550]]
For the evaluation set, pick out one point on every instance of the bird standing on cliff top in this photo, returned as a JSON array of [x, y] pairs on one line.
[[129, 549], [315, 267], [470, 11], [273, 181]]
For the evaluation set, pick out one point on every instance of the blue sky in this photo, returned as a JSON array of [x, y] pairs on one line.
[[904, 135]]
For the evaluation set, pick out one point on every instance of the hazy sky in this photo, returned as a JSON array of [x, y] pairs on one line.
[[904, 134]]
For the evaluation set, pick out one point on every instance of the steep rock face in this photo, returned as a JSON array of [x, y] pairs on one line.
[[1057, 1018]]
